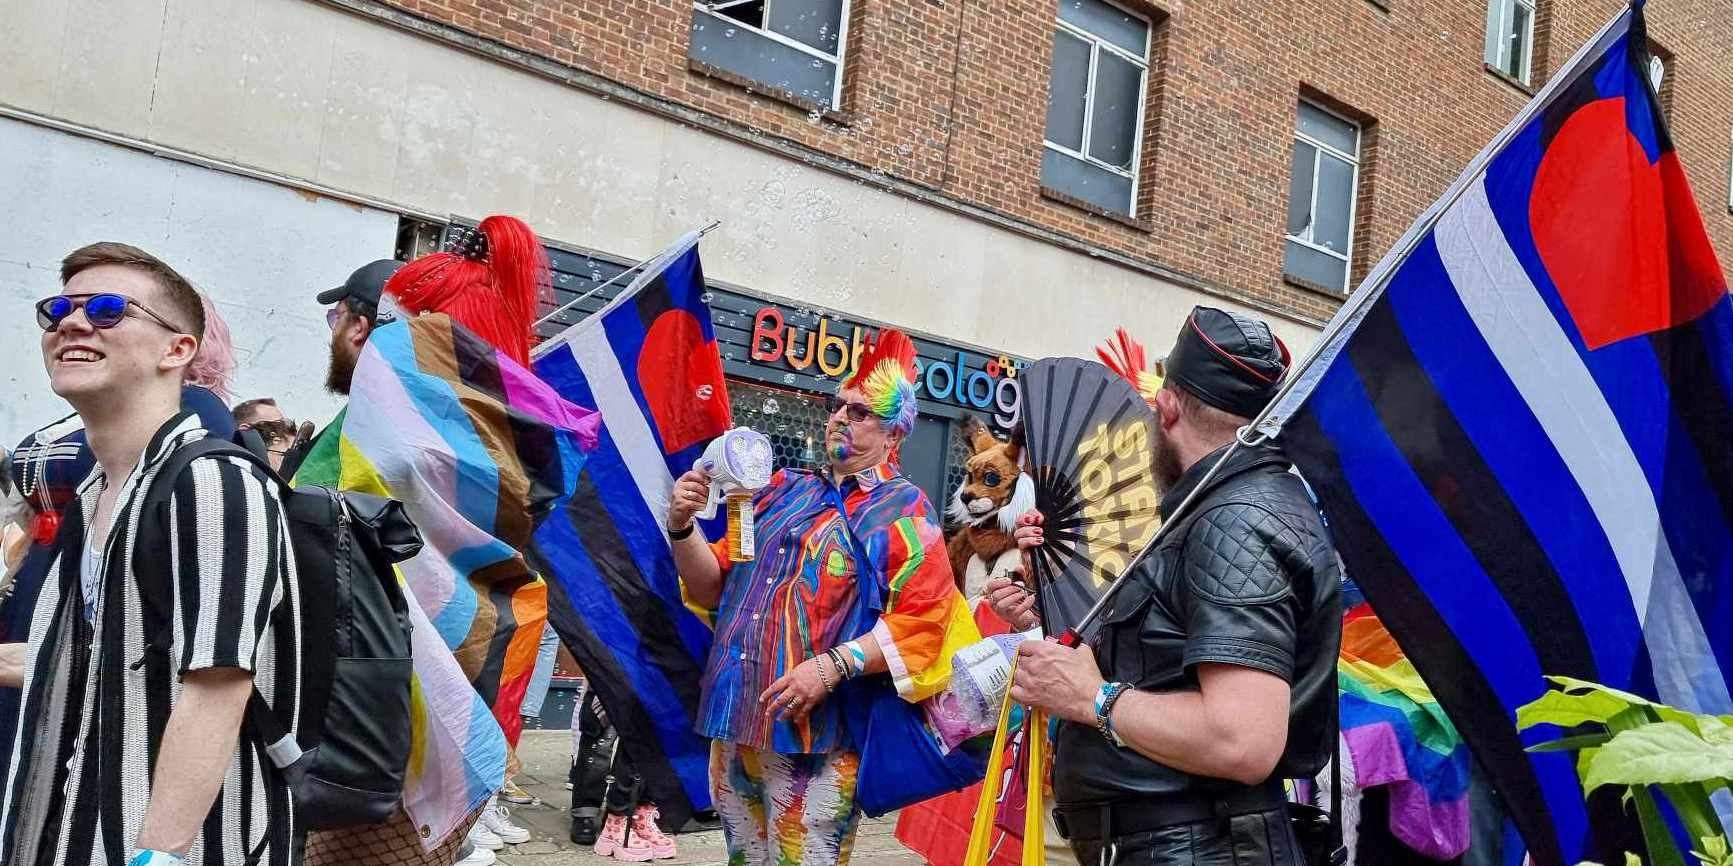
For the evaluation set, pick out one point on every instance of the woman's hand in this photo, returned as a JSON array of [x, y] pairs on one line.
[[1029, 532], [1013, 602], [794, 695]]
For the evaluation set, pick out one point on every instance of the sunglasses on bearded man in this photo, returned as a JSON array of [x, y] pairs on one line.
[[857, 411]]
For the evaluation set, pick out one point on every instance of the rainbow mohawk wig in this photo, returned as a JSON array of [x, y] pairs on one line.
[[1125, 356], [886, 378]]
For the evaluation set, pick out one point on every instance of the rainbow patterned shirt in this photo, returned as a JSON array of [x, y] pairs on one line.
[[801, 597]]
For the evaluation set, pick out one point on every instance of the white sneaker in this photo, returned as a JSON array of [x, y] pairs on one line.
[[478, 856], [497, 819], [482, 837]]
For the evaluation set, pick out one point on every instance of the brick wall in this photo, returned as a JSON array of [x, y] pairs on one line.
[[951, 95]]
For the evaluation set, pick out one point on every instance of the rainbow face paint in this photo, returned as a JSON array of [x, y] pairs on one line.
[[844, 449]]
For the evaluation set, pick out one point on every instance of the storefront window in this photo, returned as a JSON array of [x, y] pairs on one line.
[[960, 452], [793, 421]]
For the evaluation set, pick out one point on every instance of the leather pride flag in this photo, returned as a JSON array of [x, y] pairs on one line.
[[1519, 430], [648, 361]]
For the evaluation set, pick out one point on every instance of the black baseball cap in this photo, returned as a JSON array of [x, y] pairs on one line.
[[366, 285]]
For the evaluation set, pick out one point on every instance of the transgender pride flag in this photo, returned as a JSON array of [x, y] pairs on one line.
[[1519, 429]]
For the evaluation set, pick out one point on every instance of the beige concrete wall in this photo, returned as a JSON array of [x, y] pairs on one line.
[[260, 251], [307, 91]]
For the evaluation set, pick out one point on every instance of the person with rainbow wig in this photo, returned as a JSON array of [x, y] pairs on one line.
[[793, 623]]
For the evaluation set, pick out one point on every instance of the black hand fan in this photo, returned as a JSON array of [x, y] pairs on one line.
[[1091, 451]]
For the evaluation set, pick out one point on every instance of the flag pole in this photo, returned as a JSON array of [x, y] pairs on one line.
[[1305, 377], [616, 278]]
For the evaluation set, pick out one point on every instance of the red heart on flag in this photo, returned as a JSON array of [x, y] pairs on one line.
[[681, 376], [1620, 237]]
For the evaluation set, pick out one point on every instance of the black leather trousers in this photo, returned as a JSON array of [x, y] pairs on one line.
[[1257, 839]]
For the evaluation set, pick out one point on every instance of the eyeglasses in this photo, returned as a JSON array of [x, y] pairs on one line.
[[104, 310], [272, 430], [857, 411], [379, 315]]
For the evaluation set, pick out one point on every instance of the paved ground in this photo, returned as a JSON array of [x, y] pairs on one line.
[[547, 755]]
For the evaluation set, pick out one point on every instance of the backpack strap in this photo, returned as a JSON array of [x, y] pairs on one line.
[[155, 546], [156, 550]]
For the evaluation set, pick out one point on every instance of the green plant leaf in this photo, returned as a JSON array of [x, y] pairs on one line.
[[1571, 744], [1691, 802], [1569, 710], [1663, 851], [1714, 851], [1657, 753], [1713, 729], [1603, 699]]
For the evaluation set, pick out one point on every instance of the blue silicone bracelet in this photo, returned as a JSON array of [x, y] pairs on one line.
[[148, 857]]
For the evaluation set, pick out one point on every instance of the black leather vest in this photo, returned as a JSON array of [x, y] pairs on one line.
[[1247, 577]]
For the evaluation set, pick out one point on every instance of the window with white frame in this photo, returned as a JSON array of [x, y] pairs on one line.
[[1321, 191], [1510, 37], [791, 45], [1095, 104]]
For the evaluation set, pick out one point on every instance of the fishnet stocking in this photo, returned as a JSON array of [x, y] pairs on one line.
[[393, 843]]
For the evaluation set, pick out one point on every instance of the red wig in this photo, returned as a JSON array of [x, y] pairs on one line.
[[490, 281]]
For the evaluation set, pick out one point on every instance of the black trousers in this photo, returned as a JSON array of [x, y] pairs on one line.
[[601, 776], [1257, 839]]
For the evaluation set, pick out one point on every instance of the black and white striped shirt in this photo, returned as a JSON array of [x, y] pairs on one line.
[[96, 700]]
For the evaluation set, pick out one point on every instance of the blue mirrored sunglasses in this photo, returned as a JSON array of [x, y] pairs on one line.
[[103, 310]]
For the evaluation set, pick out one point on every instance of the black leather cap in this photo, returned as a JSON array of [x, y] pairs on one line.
[[367, 284], [1230, 361]]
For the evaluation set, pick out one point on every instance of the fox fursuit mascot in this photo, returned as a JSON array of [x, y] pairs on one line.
[[994, 493]]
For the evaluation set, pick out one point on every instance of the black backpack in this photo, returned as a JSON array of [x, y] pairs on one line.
[[346, 765]]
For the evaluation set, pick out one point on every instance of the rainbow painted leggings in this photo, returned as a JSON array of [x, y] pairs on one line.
[[785, 810]]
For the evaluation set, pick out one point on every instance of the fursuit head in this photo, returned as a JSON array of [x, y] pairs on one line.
[[994, 493]]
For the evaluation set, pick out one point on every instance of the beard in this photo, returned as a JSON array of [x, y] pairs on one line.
[[341, 371], [1166, 466]]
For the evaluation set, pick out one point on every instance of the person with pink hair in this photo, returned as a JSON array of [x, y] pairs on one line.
[[213, 368]]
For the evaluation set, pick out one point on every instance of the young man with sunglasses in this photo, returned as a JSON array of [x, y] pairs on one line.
[[131, 745], [796, 621]]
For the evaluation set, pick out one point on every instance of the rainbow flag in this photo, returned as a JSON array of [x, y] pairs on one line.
[[477, 449], [1398, 736]]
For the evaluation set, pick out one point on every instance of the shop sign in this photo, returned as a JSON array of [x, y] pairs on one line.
[[833, 349]]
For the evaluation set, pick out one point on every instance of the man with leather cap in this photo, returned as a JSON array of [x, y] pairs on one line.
[[1213, 675]]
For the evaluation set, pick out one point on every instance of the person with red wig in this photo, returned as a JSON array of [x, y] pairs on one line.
[[490, 280]]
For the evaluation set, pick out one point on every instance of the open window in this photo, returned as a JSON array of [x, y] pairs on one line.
[[794, 46]]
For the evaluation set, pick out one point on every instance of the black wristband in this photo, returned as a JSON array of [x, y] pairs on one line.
[[681, 534]]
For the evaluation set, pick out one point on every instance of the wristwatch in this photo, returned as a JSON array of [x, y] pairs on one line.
[[1105, 698]]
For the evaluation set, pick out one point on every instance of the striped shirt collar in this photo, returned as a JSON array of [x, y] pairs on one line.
[[867, 479], [170, 435]]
